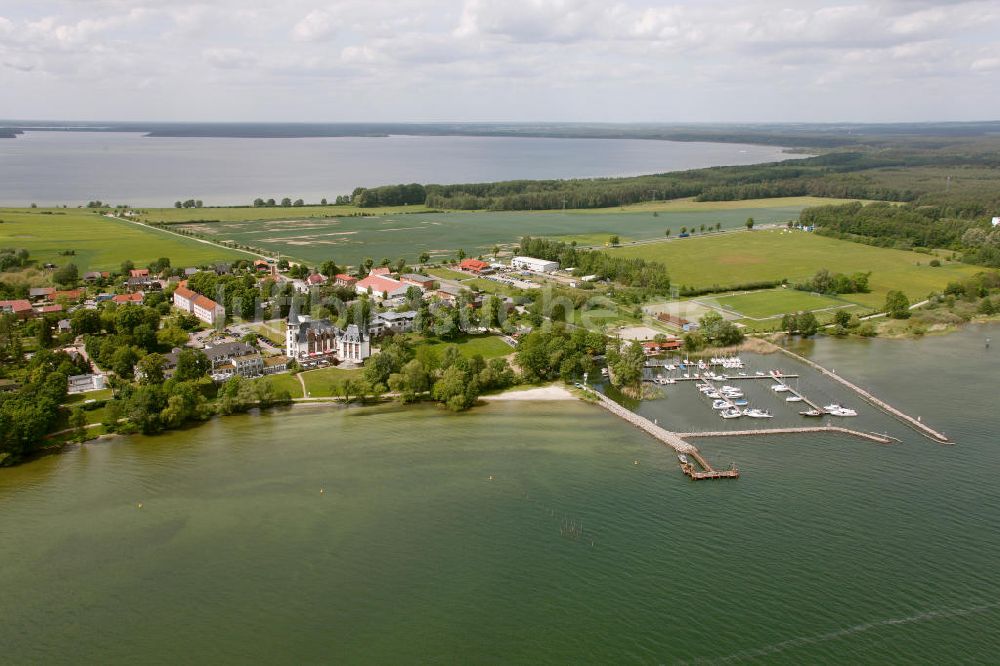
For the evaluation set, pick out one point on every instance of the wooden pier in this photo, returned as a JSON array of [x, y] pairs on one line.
[[780, 377], [671, 439], [916, 424]]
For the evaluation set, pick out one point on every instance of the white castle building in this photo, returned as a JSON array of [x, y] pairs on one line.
[[307, 338]]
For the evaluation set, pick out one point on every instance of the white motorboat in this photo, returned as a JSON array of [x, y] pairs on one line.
[[713, 394], [732, 413], [720, 404], [843, 411], [779, 388], [811, 412], [757, 414], [682, 458], [793, 398]]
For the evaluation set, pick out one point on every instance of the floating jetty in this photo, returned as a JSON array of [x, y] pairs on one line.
[[916, 424]]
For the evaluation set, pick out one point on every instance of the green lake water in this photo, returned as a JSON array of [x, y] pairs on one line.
[[827, 550]]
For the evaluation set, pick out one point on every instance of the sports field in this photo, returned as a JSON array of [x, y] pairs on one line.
[[99, 243], [487, 346], [731, 259], [771, 302], [350, 239]]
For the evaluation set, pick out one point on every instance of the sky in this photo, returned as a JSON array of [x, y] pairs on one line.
[[500, 60]]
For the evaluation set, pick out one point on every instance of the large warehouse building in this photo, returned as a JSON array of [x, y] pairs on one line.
[[532, 264]]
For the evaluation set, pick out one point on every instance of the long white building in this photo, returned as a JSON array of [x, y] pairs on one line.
[[202, 307], [535, 265]]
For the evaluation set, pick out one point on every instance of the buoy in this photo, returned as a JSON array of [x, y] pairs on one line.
[[491, 477], [635, 462], [140, 505], [320, 491]]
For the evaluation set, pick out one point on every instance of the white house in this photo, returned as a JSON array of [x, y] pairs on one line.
[[202, 307], [391, 322], [534, 265]]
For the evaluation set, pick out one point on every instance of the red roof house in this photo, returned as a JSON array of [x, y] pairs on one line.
[[122, 299], [345, 280], [21, 308], [139, 272], [380, 270], [473, 265]]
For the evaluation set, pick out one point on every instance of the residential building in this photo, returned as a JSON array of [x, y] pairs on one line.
[[139, 272], [142, 283], [474, 265], [534, 265], [391, 322], [64, 326], [125, 299], [653, 348], [307, 338], [345, 280], [449, 292], [94, 276], [316, 280], [49, 309], [188, 272], [21, 308], [41, 293], [380, 270], [275, 364], [202, 307], [222, 353], [380, 286], [84, 383], [413, 279]]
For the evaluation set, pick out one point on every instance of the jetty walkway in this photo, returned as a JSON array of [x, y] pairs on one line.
[[873, 437], [671, 439], [916, 424]]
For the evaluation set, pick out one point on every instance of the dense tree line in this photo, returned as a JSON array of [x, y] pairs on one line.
[[626, 271], [449, 378], [558, 353], [825, 282], [29, 412], [389, 195]]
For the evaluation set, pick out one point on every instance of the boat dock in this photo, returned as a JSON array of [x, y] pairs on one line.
[[671, 439], [872, 437], [780, 377], [916, 424]]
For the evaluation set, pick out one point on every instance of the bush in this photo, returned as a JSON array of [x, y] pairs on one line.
[[935, 263]]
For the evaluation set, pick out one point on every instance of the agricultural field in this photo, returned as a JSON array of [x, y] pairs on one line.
[[99, 243], [731, 259], [238, 213], [771, 302], [300, 235]]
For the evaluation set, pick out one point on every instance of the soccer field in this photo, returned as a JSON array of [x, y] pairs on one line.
[[771, 302], [98, 242], [739, 258]]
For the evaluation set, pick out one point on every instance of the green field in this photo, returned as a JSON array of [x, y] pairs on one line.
[[349, 240], [237, 213], [487, 346], [771, 302], [731, 259], [99, 243], [326, 382]]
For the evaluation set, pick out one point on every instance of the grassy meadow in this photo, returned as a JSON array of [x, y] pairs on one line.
[[99, 243], [731, 259]]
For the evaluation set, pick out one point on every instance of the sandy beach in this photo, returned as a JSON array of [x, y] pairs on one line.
[[540, 394]]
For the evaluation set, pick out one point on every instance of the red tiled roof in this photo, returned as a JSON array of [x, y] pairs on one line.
[[184, 292], [50, 308], [379, 284], [16, 306], [473, 265], [128, 298], [316, 278], [344, 277], [205, 302], [380, 270], [139, 272], [71, 294]]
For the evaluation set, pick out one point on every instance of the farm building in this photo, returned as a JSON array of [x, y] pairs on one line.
[[535, 265]]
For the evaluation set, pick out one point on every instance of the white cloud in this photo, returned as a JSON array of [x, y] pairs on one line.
[[509, 59]]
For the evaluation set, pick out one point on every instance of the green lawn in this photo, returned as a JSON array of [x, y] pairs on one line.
[[76, 398], [732, 259], [272, 330], [326, 382], [487, 346], [447, 274], [770, 302], [99, 243], [285, 381]]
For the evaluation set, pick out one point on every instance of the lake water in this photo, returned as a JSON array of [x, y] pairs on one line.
[[827, 550], [55, 168]]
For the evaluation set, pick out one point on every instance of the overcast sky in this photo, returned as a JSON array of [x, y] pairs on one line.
[[496, 60]]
